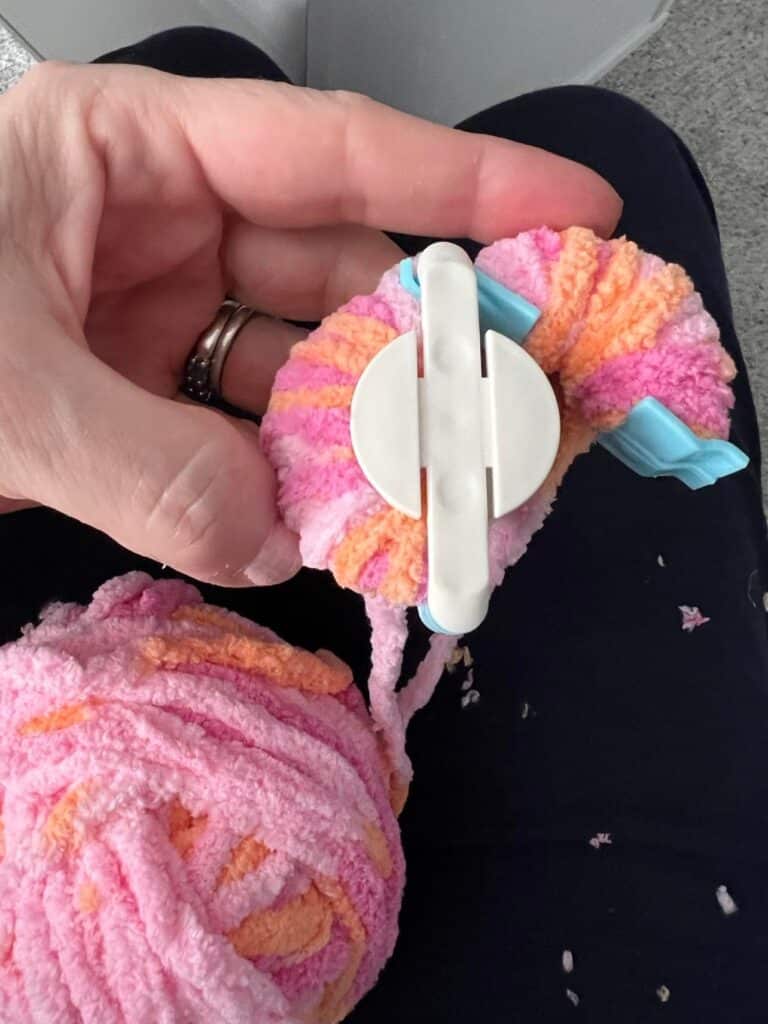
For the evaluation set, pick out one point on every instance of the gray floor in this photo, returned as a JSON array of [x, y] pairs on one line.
[[14, 59], [704, 73]]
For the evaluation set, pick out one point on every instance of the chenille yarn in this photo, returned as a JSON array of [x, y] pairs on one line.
[[617, 325], [196, 820]]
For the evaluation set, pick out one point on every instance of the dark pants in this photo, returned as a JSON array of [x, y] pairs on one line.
[[597, 712]]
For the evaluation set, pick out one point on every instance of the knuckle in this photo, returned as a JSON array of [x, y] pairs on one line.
[[349, 100], [186, 510], [190, 515], [352, 109]]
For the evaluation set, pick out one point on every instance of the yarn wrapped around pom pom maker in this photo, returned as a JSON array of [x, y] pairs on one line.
[[421, 432], [483, 423]]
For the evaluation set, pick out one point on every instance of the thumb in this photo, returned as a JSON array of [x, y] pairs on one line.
[[179, 483]]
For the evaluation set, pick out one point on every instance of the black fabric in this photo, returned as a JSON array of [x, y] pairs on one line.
[[597, 712], [198, 52]]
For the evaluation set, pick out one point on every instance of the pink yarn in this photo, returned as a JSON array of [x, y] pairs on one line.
[[687, 379], [303, 375], [522, 263], [327, 478], [103, 916], [313, 426], [404, 309], [379, 308]]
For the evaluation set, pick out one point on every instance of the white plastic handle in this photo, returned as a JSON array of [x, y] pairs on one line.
[[458, 424]]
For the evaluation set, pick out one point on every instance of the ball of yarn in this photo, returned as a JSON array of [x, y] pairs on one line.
[[617, 325], [196, 822]]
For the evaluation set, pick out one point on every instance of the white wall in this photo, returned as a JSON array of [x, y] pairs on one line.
[[446, 59]]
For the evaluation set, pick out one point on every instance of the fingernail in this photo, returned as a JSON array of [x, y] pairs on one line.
[[278, 560]]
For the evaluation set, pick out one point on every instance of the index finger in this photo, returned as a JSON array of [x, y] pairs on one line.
[[285, 156]]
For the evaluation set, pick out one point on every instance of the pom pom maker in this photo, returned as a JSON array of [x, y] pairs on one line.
[[482, 420], [486, 442]]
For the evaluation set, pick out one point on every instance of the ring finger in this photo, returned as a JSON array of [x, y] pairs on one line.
[[257, 353]]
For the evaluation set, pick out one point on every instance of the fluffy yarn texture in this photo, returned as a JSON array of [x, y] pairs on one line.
[[196, 823], [617, 325]]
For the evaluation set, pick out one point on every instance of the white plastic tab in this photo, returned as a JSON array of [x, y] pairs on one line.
[[524, 423], [452, 440], [458, 424], [385, 424]]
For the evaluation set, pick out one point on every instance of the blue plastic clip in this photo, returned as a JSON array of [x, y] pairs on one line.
[[501, 309], [654, 442]]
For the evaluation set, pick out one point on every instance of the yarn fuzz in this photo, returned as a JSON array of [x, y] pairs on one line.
[[196, 822]]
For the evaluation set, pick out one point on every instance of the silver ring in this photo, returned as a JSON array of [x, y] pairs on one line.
[[205, 366]]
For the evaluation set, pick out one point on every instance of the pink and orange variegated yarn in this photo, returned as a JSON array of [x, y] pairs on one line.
[[617, 325], [196, 820]]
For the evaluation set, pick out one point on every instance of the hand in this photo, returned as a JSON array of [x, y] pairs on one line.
[[131, 201]]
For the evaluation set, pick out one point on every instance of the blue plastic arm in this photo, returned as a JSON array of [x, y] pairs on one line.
[[654, 442]]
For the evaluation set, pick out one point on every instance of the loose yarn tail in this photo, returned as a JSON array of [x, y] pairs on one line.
[[392, 711], [419, 690]]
